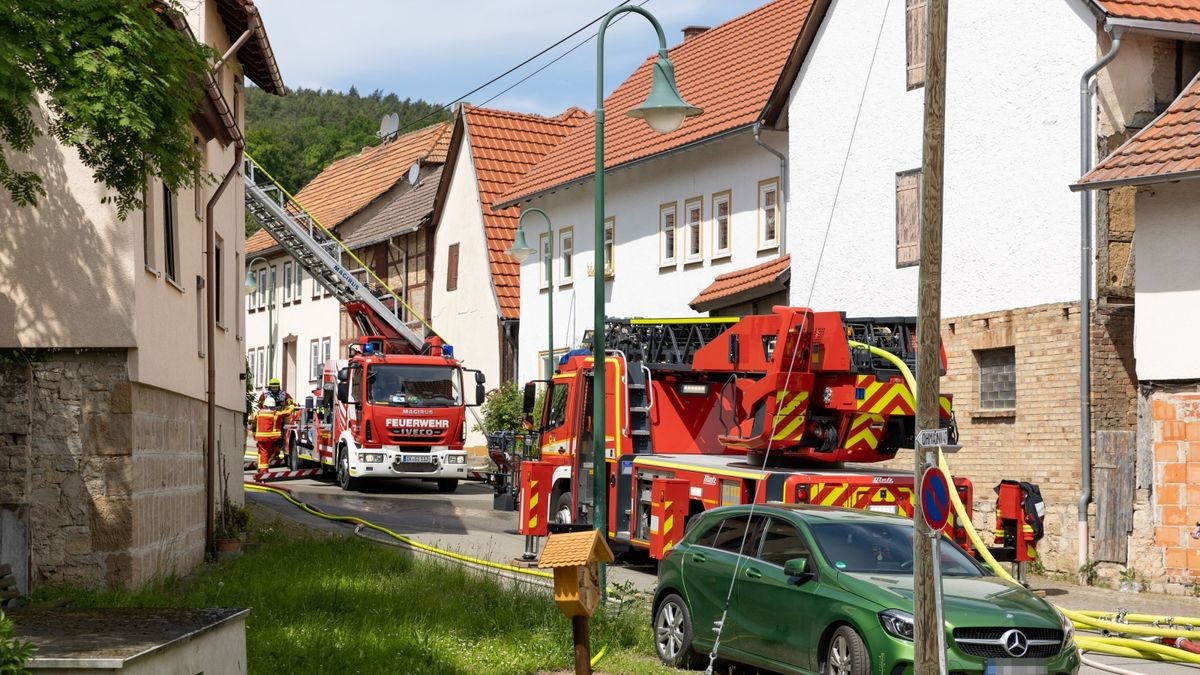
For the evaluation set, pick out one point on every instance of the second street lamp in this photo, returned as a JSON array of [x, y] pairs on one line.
[[664, 110]]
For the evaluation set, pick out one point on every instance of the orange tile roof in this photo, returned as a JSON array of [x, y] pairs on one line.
[[1166, 148], [729, 71], [348, 185], [572, 549], [504, 145], [751, 281], [1183, 11]]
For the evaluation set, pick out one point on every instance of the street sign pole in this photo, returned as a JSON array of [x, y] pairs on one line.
[[934, 497], [927, 625]]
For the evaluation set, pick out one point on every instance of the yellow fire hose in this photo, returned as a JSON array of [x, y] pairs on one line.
[[1089, 620], [259, 487]]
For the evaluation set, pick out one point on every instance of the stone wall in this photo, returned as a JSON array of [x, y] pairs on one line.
[[1038, 440], [107, 473]]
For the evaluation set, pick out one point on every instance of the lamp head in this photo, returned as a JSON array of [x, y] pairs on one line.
[[251, 283], [664, 109], [520, 248]]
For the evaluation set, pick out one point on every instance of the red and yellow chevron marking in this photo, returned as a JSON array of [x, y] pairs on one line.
[[533, 502], [861, 435], [885, 398], [944, 401], [668, 528], [789, 418]]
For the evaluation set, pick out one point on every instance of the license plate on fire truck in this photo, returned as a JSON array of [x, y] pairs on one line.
[[416, 459]]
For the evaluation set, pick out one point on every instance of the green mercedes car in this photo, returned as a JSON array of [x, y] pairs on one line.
[[806, 589]]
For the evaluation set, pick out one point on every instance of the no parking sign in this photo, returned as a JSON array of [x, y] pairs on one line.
[[935, 498]]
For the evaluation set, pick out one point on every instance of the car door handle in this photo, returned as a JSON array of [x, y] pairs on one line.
[[699, 557], [753, 573]]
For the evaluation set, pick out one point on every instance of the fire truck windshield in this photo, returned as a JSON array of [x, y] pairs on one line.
[[414, 386]]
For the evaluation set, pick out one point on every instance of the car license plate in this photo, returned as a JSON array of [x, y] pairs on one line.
[[1015, 667], [416, 459]]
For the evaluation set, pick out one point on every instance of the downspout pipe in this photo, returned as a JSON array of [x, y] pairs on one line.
[[783, 186], [1085, 292]]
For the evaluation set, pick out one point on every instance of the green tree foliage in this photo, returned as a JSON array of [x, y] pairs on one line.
[[117, 83], [295, 137], [14, 653], [502, 409]]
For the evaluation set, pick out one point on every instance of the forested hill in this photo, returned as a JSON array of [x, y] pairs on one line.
[[294, 137]]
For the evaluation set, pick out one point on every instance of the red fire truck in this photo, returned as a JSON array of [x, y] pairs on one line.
[[789, 407], [386, 412]]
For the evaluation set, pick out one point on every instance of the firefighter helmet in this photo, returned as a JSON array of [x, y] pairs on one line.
[[273, 382], [269, 402]]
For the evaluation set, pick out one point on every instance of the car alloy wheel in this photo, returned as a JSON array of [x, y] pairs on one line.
[[673, 632], [847, 654]]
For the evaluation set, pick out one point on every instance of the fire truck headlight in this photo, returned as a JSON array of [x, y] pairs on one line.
[[370, 457], [898, 623], [456, 459]]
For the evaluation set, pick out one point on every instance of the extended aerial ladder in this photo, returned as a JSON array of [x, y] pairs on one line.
[[319, 253]]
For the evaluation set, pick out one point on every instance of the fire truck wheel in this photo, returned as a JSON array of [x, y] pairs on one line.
[[673, 632], [447, 484], [293, 455], [846, 654], [344, 479], [562, 509]]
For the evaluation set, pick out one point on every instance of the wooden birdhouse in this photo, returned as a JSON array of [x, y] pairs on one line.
[[575, 558]]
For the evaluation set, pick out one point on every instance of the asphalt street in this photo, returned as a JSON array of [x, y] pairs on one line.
[[464, 522]]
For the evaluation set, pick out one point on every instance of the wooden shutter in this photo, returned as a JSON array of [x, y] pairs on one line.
[[908, 217], [452, 269], [914, 42]]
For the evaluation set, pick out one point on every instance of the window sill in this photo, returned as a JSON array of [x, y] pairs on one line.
[[565, 284], [765, 248], [668, 266], [176, 285], [994, 414], [726, 255], [152, 271], [693, 262], [222, 327]]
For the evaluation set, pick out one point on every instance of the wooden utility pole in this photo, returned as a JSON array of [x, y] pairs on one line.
[[928, 656]]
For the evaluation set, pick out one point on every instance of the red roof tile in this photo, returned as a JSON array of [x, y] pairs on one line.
[[1167, 147], [349, 184], [504, 145], [1183, 11], [729, 71], [751, 281]]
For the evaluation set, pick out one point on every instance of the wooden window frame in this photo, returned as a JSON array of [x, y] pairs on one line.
[[664, 210], [546, 250], [902, 260], [693, 232], [610, 246], [765, 186], [725, 197]]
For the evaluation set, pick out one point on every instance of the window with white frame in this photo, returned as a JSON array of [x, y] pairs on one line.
[[547, 261], [251, 296], [768, 214], [261, 291], [610, 244], [149, 232], [298, 284], [721, 244], [666, 235], [261, 369], [219, 281], [314, 360], [170, 235], [287, 283], [251, 359], [693, 227], [326, 349], [316, 289], [566, 256]]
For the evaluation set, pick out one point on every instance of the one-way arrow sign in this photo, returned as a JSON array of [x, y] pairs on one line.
[[932, 438]]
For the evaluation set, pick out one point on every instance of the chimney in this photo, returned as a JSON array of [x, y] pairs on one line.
[[690, 32]]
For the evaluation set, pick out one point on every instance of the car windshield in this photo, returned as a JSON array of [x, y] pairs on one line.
[[414, 386], [883, 548]]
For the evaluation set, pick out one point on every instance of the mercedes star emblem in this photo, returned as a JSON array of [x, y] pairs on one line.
[[1015, 643]]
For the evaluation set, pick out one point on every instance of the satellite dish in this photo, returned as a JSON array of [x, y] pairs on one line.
[[414, 172], [389, 125]]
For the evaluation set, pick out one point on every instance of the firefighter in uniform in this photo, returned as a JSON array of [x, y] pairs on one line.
[[283, 400], [268, 430]]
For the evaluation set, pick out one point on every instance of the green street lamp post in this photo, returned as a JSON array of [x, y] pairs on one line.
[[252, 286], [664, 110], [521, 250]]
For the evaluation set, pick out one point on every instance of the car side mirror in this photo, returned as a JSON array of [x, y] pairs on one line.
[[343, 392], [797, 567]]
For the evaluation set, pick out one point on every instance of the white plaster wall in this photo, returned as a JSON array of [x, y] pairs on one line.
[[1011, 226], [307, 319], [639, 287], [468, 317], [1167, 296]]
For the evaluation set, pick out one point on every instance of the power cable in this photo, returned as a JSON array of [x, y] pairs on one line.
[[417, 122], [720, 624]]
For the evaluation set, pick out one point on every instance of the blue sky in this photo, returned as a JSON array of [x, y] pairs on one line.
[[442, 49]]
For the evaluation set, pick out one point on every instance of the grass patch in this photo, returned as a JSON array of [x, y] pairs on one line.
[[343, 604]]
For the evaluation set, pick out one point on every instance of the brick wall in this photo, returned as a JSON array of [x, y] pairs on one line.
[[1176, 426]]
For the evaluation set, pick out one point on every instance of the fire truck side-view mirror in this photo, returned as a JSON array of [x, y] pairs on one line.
[[343, 392], [530, 396], [343, 374]]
